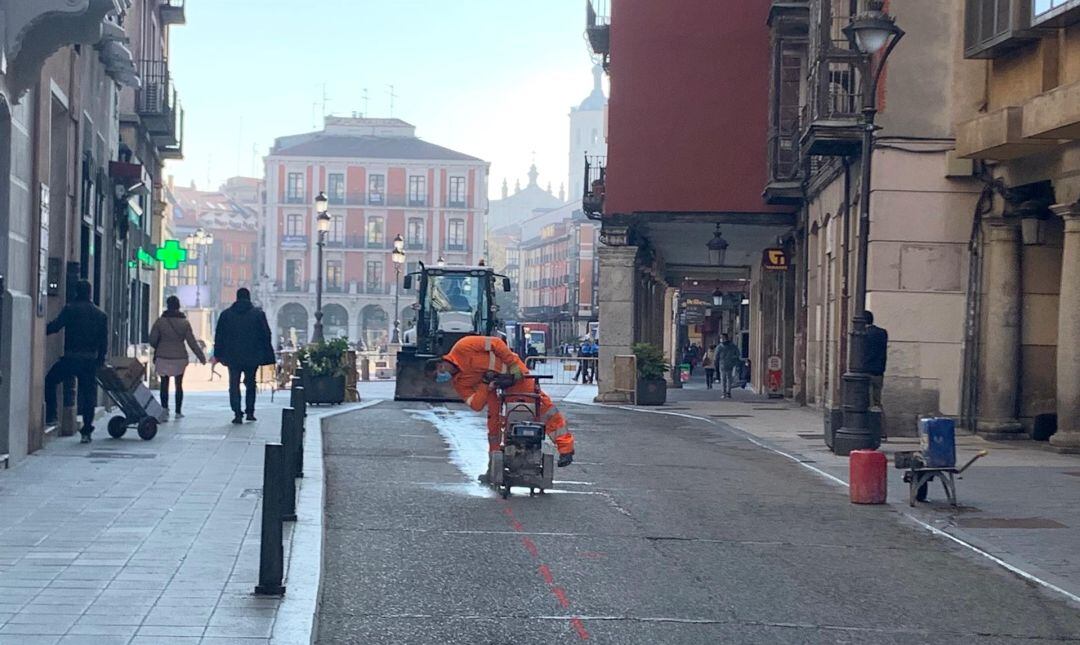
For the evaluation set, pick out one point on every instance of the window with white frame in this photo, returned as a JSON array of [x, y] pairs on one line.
[[377, 189], [335, 188], [336, 234], [414, 233], [374, 276], [294, 188], [457, 192], [375, 232], [455, 235], [294, 224], [1046, 9], [417, 190]]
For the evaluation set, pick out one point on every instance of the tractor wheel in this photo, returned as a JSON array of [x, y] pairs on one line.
[[117, 427], [148, 428]]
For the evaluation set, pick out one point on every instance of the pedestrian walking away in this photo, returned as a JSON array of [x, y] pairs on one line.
[[728, 360], [243, 344], [86, 342], [170, 338], [710, 367]]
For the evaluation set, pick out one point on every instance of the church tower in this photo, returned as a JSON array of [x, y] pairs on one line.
[[587, 133]]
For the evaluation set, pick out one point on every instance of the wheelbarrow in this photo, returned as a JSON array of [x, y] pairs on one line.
[[919, 475]]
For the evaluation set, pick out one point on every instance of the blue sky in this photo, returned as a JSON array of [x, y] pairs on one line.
[[492, 78]]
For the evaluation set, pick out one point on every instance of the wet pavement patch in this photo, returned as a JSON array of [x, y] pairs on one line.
[[1009, 523], [109, 454]]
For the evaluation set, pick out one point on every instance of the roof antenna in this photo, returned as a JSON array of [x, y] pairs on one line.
[[392, 97], [365, 102]]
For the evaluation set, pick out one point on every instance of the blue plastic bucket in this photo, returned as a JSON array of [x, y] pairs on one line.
[[937, 437]]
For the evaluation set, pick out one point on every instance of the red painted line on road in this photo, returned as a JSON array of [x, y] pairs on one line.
[[545, 573], [531, 547], [579, 627]]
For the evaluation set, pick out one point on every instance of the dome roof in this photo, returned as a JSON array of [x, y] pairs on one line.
[[596, 101]]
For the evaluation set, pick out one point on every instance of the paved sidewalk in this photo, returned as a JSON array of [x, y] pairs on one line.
[[1018, 504], [133, 542]]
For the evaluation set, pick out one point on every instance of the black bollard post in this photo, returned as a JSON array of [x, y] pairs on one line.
[[290, 440], [300, 400], [295, 423], [271, 551]]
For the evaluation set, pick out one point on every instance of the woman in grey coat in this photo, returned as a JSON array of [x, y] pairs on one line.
[[168, 337]]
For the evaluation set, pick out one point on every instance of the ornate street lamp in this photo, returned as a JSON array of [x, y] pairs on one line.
[[717, 297], [441, 262], [718, 247], [201, 241], [322, 224], [874, 35], [398, 256]]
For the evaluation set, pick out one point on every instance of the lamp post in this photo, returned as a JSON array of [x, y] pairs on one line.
[[201, 241], [322, 223], [398, 256], [874, 35]]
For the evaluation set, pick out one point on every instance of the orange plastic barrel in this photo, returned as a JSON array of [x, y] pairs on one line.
[[868, 476]]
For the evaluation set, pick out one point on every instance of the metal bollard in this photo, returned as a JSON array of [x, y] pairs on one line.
[[297, 423], [292, 435], [299, 401], [290, 441], [271, 550]]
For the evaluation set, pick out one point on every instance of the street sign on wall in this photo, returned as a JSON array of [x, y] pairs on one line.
[[774, 259]]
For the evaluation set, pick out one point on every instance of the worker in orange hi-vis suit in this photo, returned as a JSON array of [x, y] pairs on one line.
[[476, 366]]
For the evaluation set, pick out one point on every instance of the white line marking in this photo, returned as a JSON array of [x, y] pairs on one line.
[[932, 529]]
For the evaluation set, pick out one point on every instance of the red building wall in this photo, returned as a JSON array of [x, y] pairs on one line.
[[688, 112]]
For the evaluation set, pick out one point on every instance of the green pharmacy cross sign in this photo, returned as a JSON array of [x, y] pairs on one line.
[[171, 254]]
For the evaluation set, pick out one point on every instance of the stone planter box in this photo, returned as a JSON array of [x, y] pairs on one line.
[[324, 390], [651, 391]]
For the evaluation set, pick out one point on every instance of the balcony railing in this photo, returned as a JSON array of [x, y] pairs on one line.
[[172, 12], [592, 201], [830, 116], [598, 28], [158, 106], [789, 25]]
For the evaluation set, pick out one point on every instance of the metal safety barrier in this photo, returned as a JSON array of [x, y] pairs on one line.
[[565, 370]]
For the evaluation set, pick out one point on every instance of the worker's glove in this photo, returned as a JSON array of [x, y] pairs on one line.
[[504, 381], [566, 460], [490, 376]]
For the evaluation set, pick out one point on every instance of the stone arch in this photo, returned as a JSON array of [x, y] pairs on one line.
[[374, 326], [292, 323], [335, 321]]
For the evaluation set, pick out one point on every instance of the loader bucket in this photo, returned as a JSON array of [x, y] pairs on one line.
[[413, 385]]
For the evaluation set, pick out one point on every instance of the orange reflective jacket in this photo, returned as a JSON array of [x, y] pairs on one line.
[[474, 356]]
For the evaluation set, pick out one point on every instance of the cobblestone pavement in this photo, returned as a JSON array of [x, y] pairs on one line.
[[133, 542]]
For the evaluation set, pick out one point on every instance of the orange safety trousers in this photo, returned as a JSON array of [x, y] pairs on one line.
[[477, 356]]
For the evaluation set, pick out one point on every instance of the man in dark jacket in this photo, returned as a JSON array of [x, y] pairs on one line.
[[86, 342], [242, 343], [877, 352]]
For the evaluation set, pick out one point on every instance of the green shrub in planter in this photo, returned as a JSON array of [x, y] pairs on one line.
[[651, 367], [324, 371]]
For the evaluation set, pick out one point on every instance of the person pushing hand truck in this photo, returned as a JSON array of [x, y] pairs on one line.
[[479, 367]]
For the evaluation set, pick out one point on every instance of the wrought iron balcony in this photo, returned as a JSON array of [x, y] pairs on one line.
[[172, 12], [158, 107], [598, 28], [592, 200], [831, 115], [789, 26]]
